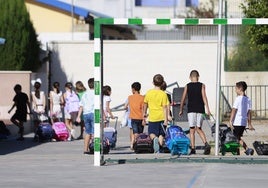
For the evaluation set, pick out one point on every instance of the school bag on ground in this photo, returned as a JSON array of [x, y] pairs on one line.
[[261, 147], [61, 131], [105, 145], [143, 144], [111, 133], [177, 141], [44, 132], [228, 141], [4, 132]]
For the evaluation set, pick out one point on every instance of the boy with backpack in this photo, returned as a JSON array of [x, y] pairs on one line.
[[241, 115]]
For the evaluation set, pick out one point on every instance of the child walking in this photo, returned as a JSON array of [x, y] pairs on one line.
[[135, 104], [197, 101], [21, 101], [241, 115], [107, 91], [156, 101], [87, 109]]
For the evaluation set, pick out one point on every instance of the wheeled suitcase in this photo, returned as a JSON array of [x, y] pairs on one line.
[[177, 141], [143, 144], [261, 147], [111, 133], [61, 131], [44, 132], [105, 145], [228, 142]]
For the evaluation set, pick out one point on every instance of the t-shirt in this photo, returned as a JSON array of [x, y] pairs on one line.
[[87, 101], [106, 99], [20, 100], [156, 100], [243, 105], [136, 102]]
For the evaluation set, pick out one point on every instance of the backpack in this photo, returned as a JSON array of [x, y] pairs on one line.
[[72, 102]]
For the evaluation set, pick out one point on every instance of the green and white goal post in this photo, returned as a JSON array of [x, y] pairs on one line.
[[98, 60]]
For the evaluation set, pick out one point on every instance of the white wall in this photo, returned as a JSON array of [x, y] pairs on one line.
[[129, 61]]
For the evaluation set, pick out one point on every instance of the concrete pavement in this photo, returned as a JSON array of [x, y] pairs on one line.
[[62, 164]]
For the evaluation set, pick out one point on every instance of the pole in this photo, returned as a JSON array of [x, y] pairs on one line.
[[174, 8], [72, 15], [218, 85]]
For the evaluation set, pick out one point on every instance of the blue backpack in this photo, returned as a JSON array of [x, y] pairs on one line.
[[177, 141]]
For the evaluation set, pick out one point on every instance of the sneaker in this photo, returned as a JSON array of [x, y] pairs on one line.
[[249, 151], [192, 152], [156, 145], [86, 152], [207, 149]]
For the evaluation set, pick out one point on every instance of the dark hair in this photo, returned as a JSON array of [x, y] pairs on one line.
[[79, 86], [37, 86], [90, 83], [106, 90], [69, 85], [136, 86], [243, 85], [158, 80], [164, 86], [194, 73], [56, 85], [17, 87]]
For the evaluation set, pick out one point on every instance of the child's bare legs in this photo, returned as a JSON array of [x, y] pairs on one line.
[[201, 134], [19, 124], [204, 140], [248, 151], [69, 126], [132, 138], [192, 139], [87, 141]]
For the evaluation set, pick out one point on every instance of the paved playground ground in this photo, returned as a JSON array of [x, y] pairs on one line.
[[63, 164]]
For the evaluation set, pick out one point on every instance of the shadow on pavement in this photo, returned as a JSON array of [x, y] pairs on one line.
[[11, 145]]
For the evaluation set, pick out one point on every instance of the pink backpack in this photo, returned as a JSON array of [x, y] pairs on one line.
[[61, 131]]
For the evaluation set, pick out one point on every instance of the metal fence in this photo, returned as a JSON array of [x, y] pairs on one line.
[[257, 94]]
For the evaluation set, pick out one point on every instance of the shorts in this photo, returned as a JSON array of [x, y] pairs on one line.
[[22, 117], [156, 128], [238, 131], [137, 126], [195, 119], [71, 116], [89, 123]]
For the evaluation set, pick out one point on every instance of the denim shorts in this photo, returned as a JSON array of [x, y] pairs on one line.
[[156, 128], [89, 123], [137, 126]]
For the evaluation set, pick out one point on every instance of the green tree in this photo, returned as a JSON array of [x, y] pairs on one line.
[[204, 10], [251, 51], [21, 50], [247, 57], [257, 35]]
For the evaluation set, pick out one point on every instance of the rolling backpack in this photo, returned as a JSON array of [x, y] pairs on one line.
[[177, 141], [61, 131], [44, 132], [143, 144]]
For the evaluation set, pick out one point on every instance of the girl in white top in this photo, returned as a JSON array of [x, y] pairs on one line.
[[56, 102], [38, 100], [106, 105]]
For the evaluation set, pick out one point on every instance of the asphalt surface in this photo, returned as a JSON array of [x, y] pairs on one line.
[[63, 164]]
